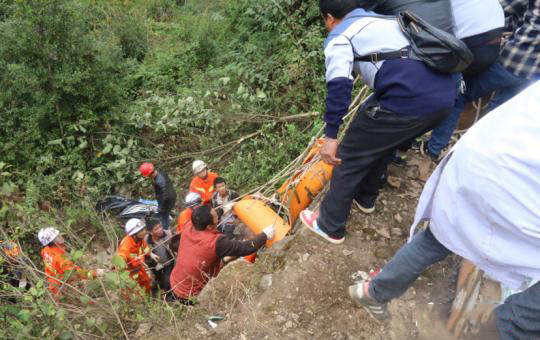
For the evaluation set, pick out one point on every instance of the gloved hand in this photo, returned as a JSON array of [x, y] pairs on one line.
[[269, 231], [100, 272], [159, 267], [227, 206], [155, 257]]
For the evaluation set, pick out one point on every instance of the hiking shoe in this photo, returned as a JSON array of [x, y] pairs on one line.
[[424, 151], [378, 311], [309, 219], [365, 210]]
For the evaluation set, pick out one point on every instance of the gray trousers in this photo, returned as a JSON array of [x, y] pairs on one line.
[[517, 319]]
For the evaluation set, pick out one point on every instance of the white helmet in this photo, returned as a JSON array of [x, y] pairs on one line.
[[47, 235], [134, 225], [193, 199], [198, 166]]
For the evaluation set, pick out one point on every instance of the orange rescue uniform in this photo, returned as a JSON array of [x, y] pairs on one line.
[[10, 249], [56, 264], [204, 187], [184, 219], [131, 251]]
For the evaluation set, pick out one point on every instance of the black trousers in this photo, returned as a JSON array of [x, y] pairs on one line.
[[372, 137], [163, 277]]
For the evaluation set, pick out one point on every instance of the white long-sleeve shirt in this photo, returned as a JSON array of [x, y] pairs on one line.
[[483, 200]]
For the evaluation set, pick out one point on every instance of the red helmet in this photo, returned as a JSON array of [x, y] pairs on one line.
[[146, 169]]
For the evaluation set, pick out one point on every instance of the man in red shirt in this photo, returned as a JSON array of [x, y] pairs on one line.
[[203, 182], [201, 249]]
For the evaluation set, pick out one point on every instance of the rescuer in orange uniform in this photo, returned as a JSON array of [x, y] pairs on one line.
[[203, 182], [192, 201], [133, 249], [56, 263], [12, 264]]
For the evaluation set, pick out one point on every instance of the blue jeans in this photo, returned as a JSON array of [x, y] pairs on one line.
[[517, 319], [411, 260], [495, 78]]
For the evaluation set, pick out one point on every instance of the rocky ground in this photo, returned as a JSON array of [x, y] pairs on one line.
[[298, 288]]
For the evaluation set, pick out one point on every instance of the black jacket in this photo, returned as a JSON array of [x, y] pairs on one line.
[[165, 193], [436, 12]]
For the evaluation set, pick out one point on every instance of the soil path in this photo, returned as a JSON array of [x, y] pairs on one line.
[[298, 289]]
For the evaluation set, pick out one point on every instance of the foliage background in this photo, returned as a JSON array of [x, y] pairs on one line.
[[91, 88]]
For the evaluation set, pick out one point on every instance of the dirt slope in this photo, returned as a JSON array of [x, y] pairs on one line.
[[298, 289]]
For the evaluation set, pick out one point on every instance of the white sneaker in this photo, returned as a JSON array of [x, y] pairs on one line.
[[364, 209], [309, 219]]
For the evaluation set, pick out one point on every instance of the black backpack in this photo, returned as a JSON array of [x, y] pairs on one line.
[[438, 49]]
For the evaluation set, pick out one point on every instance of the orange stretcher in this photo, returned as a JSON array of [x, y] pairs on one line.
[[309, 183], [257, 215]]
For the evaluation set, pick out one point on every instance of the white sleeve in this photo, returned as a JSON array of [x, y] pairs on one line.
[[339, 58]]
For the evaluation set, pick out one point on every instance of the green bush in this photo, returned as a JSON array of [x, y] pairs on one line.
[[89, 89]]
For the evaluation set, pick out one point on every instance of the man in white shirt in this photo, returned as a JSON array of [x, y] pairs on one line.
[[224, 199], [483, 204]]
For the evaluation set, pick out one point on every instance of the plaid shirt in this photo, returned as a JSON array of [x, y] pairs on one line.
[[521, 53]]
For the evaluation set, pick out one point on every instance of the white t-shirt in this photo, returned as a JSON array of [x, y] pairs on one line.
[[483, 200], [472, 17]]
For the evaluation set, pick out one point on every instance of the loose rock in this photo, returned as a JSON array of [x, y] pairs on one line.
[[266, 281], [347, 252], [383, 232], [397, 231], [398, 218], [143, 330], [394, 182], [280, 319], [201, 329], [409, 294]]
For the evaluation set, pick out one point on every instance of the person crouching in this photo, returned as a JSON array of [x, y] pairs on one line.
[[202, 248], [133, 249], [161, 260]]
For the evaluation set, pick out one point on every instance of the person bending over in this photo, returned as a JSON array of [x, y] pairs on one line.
[[202, 248]]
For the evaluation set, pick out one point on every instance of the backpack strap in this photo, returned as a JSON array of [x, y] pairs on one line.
[[379, 56]]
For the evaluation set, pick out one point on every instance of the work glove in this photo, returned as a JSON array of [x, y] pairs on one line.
[[155, 257], [159, 266], [269, 231], [100, 272], [227, 207]]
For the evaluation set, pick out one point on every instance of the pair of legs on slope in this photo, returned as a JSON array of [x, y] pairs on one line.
[[372, 137]]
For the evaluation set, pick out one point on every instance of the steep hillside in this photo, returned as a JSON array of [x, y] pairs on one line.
[[297, 289]]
